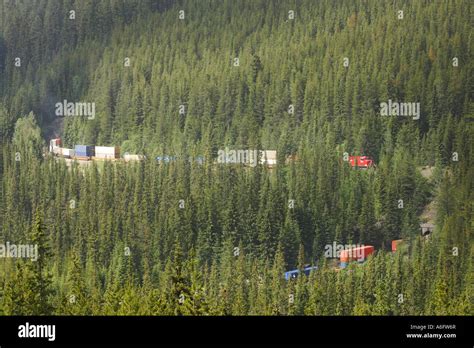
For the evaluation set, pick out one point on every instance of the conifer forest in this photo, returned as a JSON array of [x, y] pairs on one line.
[[236, 157]]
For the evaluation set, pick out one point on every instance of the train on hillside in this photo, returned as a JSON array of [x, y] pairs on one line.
[[358, 254], [88, 152], [361, 162]]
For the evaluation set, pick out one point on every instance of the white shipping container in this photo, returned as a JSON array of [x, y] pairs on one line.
[[54, 143], [68, 152], [107, 151], [133, 157], [268, 157]]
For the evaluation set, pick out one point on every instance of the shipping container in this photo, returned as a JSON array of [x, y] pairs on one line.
[[291, 159], [294, 273], [356, 254], [107, 152], [361, 161], [395, 243], [67, 152], [166, 159], [57, 151], [268, 157], [84, 151], [197, 159], [128, 157], [54, 143]]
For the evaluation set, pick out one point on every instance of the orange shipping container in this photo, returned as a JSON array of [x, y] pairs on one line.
[[395, 243], [358, 254]]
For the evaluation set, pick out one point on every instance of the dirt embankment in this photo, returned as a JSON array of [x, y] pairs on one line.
[[429, 212]]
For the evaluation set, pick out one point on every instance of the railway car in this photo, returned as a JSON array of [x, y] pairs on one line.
[[83, 152], [294, 273], [355, 254], [54, 144], [268, 157], [107, 152], [361, 162], [166, 159], [127, 157], [67, 153]]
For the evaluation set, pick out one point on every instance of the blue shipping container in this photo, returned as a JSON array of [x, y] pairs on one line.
[[294, 273], [166, 158], [84, 150]]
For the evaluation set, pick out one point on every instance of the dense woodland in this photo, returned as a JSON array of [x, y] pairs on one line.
[[183, 238]]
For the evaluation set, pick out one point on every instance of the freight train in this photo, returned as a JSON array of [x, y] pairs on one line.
[[361, 162], [88, 152], [358, 254], [111, 153]]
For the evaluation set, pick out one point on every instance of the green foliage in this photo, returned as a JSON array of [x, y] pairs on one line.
[[126, 246]]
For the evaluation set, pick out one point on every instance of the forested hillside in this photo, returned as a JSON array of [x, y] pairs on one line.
[[188, 78]]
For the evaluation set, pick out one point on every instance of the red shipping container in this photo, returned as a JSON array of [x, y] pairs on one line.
[[395, 243], [361, 161], [358, 254]]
